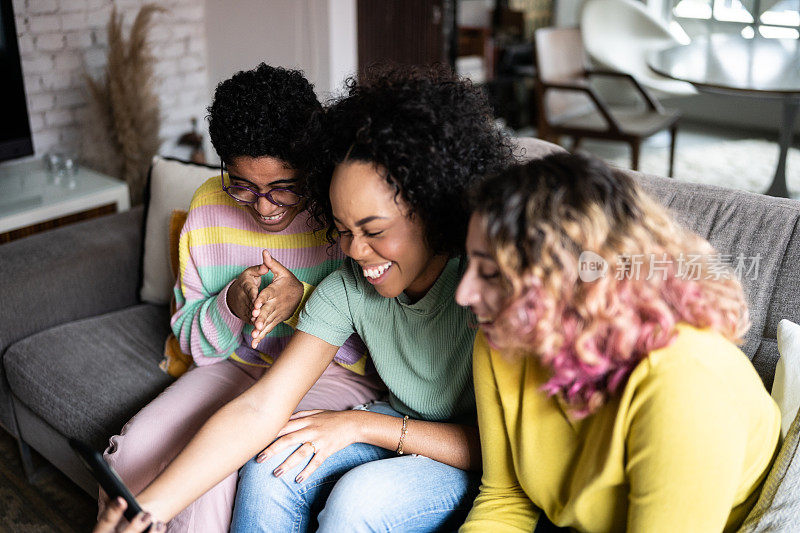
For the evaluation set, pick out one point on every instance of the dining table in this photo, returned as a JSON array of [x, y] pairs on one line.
[[756, 67]]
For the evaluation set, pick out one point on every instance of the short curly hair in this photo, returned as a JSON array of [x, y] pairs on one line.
[[262, 112], [432, 132]]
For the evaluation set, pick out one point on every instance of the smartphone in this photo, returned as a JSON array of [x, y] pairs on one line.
[[106, 477]]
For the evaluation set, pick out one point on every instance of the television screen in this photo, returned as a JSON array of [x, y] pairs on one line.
[[15, 131]]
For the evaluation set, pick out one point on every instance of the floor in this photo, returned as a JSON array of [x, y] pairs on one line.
[[51, 503], [690, 135], [54, 503]]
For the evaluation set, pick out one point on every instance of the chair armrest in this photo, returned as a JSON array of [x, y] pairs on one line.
[[73, 272], [584, 87], [651, 102]]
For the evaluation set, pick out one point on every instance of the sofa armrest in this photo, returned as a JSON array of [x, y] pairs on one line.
[[72, 272]]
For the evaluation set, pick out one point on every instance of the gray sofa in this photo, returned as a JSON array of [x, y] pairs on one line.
[[80, 352]]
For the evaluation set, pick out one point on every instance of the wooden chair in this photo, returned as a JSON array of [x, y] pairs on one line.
[[568, 105]]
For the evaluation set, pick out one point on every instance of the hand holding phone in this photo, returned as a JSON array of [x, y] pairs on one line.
[[110, 520], [107, 478]]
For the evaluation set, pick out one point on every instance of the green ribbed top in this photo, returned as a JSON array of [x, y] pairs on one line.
[[421, 350]]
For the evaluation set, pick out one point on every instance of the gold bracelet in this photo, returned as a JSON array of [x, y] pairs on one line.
[[403, 432]]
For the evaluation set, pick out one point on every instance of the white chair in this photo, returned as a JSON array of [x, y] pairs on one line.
[[619, 35]]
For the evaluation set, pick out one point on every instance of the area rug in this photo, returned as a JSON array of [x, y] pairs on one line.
[[744, 164], [52, 504]]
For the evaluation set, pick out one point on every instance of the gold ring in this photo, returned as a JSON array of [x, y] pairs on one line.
[[312, 446]]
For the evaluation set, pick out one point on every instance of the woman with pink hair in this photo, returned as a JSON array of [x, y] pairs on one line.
[[611, 393]]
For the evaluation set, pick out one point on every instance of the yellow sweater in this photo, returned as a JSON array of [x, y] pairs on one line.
[[684, 447]]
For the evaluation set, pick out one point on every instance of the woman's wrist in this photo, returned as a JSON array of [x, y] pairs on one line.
[[230, 297], [361, 429], [378, 429], [157, 511]]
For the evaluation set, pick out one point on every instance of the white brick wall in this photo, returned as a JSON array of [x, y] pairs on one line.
[[61, 39]]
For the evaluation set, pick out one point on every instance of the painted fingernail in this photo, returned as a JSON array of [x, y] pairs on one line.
[[147, 518], [160, 526], [278, 472], [260, 458], [299, 479]]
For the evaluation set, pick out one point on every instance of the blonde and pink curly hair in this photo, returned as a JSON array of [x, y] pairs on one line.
[[539, 217]]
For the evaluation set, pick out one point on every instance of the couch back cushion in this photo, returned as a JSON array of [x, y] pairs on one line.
[[172, 185], [761, 230]]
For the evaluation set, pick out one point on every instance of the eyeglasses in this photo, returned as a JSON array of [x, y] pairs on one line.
[[280, 196]]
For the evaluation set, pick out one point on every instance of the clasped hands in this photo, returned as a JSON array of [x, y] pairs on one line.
[[267, 308]]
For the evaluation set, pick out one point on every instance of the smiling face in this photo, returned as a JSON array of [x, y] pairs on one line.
[[481, 288], [378, 230], [263, 174]]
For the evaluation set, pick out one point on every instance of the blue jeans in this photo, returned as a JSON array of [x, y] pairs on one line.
[[360, 488]]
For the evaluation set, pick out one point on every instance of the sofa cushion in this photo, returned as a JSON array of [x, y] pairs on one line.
[[72, 272], [172, 185], [88, 377], [786, 388], [175, 361], [778, 505], [761, 229], [528, 148]]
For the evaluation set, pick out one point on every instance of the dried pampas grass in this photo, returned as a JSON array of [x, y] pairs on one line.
[[125, 103]]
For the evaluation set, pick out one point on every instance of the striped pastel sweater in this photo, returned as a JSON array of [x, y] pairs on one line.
[[219, 240]]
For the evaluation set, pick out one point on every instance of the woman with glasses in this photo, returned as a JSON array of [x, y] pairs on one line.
[[250, 255]]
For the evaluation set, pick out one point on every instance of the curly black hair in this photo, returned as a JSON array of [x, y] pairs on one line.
[[432, 132], [262, 112]]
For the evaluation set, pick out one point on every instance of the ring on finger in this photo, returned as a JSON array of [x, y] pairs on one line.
[[311, 443]]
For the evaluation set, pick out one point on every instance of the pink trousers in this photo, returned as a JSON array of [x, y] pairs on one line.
[[152, 438]]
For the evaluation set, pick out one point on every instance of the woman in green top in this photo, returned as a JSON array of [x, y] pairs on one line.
[[404, 146]]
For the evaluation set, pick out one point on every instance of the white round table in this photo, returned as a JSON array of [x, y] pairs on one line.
[[729, 63]]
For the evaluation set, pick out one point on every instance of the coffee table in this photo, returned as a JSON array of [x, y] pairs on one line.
[[731, 64]]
